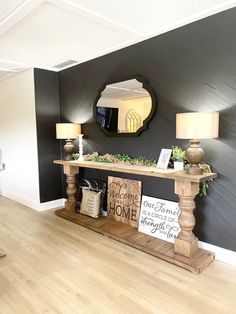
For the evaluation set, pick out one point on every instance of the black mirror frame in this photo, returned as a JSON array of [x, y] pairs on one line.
[[146, 86]]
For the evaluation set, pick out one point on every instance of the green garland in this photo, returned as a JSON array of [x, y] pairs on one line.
[[123, 158], [134, 161], [118, 158], [143, 161]]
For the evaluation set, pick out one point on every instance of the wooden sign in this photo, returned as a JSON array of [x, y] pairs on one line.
[[159, 218], [124, 200]]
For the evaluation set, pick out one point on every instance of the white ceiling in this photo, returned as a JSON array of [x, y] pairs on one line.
[[125, 90], [45, 33]]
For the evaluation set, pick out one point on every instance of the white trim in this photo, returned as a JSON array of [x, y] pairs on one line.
[[29, 5], [192, 18], [99, 18], [13, 62], [51, 205], [144, 36], [18, 13], [11, 14], [10, 74], [221, 254], [32, 203], [7, 70]]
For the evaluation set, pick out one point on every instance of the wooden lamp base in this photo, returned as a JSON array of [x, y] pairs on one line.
[[194, 155]]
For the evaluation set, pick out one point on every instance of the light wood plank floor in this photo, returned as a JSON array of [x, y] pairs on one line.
[[55, 266]]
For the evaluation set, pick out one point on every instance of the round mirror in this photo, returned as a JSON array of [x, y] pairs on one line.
[[125, 107]]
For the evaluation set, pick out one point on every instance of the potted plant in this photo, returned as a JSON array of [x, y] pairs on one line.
[[178, 157]]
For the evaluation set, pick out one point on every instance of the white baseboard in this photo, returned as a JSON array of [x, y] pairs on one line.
[[32, 203], [51, 205], [20, 199], [221, 255]]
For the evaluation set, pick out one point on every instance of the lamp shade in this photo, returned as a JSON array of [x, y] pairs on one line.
[[197, 125], [67, 130]]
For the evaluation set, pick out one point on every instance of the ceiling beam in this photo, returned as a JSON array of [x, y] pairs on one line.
[[18, 14], [98, 18]]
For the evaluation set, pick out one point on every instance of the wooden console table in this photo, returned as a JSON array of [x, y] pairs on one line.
[[184, 252]]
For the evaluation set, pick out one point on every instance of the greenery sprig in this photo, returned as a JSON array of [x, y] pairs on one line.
[[178, 154], [99, 159], [204, 186]]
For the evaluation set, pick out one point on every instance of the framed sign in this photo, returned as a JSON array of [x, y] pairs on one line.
[[124, 200], [159, 218], [164, 158]]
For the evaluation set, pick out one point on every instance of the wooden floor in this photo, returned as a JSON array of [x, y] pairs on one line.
[[55, 266], [129, 235]]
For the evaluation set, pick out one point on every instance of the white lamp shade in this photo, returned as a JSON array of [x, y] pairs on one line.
[[197, 125], [67, 130]]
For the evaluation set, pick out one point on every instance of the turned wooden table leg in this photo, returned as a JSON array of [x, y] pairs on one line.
[[186, 243], [70, 172]]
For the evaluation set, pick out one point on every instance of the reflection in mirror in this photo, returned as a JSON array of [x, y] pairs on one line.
[[123, 107]]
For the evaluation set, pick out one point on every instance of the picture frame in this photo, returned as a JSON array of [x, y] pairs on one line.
[[164, 158]]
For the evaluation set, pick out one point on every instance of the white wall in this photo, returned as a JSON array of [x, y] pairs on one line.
[[18, 139]]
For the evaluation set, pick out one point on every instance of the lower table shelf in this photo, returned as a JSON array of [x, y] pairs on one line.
[[130, 236]]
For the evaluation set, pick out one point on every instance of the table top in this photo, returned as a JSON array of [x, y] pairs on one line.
[[139, 170]]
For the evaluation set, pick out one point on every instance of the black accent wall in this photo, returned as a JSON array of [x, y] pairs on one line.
[[192, 68], [47, 115]]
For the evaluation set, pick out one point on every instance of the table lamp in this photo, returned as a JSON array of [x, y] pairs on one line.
[[68, 131], [196, 126]]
